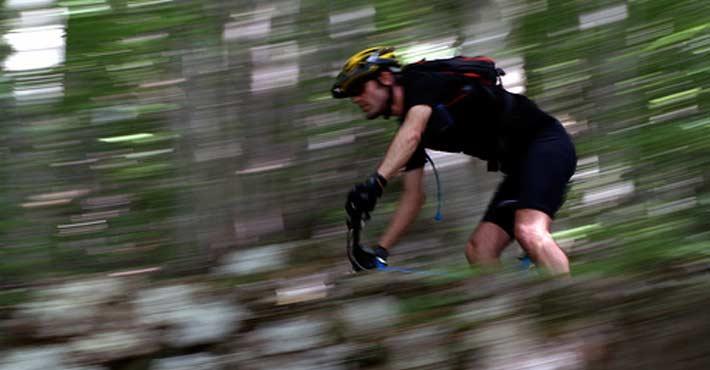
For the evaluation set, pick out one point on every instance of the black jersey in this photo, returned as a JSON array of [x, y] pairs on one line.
[[467, 117]]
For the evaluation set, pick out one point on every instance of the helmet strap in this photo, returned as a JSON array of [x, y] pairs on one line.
[[390, 100]]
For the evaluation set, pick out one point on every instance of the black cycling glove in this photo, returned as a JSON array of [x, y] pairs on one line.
[[363, 197], [366, 258]]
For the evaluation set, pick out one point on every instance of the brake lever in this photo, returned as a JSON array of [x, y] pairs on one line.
[[357, 222]]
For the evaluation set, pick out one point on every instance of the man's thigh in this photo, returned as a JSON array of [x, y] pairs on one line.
[[545, 171], [538, 181]]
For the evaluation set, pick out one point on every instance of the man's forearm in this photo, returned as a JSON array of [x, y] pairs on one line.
[[400, 150], [409, 206]]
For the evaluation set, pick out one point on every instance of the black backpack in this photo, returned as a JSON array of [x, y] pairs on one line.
[[480, 67]]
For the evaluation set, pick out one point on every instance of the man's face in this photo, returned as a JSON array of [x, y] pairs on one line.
[[372, 99]]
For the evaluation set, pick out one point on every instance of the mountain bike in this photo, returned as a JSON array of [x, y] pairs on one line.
[[355, 227]]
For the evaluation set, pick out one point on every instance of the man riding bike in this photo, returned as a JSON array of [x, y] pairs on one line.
[[455, 113]]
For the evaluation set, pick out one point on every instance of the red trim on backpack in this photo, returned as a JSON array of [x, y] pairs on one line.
[[472, 75], [479, 59]]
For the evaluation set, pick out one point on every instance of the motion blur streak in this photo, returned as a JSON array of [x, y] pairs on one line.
[[174, 173]]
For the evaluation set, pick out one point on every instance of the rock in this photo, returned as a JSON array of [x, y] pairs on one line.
[[485, 310], [514, 344], [258, 296], [327, 358], [40, 358], [197, 361], [67, 310], [301, 290], [190, 321], [369, 316], [290, 335], [110, 346], [95, 290], [255, 261], [419, 348]]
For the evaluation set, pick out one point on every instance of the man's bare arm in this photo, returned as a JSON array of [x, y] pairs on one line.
[[410, 203], [406, 140]]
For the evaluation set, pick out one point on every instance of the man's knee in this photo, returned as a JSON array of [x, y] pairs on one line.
[[532, 237], [486, 243], [477, 248], [480, 253]]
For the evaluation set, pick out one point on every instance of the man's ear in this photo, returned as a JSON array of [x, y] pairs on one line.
[[386, 78]]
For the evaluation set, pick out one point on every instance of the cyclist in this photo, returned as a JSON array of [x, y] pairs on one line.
[[453, 113]]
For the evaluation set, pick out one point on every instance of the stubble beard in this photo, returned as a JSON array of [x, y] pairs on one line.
[[375, 113]]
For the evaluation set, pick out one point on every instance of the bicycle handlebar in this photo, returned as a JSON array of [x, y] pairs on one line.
[[354, 228]]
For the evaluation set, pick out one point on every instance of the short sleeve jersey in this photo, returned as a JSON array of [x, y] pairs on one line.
[[465, 115]]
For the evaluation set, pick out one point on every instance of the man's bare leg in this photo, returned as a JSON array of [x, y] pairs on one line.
[[486, 244], [532, 231]]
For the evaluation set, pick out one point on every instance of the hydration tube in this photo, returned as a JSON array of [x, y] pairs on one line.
[[438, 215]]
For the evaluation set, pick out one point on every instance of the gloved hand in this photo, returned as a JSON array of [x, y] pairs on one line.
[[363, 197], [366, 258]]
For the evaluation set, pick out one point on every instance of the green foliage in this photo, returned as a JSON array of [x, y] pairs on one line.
[[157, 106]]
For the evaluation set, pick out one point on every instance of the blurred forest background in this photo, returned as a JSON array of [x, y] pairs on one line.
[[160, 135]]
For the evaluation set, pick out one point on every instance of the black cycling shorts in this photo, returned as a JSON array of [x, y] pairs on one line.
[[537, 179]]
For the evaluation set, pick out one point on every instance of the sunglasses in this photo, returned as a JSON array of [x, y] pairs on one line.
[[356, 90], [357, 87]]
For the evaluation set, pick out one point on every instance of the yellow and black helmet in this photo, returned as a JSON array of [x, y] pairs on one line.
[[362, 65]]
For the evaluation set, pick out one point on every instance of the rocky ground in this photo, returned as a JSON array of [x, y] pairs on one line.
[[382, 320]]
